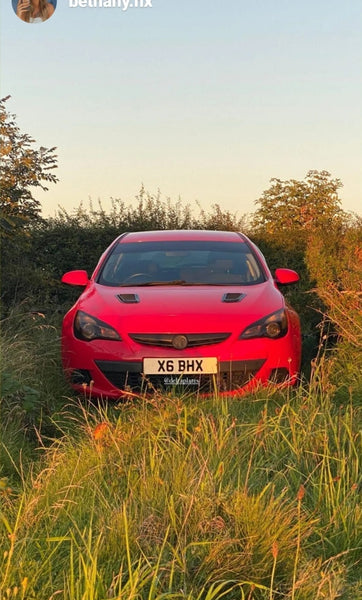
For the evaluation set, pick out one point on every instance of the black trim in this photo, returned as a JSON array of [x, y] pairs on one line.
[[117, 366], [232, 375], [233, 297], [129, 298], [166, 339]]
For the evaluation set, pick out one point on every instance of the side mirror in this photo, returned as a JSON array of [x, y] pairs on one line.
[[76, 278], [285, 276]]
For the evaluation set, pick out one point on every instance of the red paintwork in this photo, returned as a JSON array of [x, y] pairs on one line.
[[180, 309], [286, 276], [76, 278]]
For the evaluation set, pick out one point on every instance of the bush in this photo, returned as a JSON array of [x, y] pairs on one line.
[[32, 265]]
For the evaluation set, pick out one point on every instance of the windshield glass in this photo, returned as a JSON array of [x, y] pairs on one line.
[[181, 263]]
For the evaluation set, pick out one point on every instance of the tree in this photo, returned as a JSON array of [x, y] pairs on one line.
[[22, 168], [299, 207], [293, 216]]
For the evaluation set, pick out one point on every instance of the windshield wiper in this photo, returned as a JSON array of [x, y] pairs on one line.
[[173, 282], [149, 283]]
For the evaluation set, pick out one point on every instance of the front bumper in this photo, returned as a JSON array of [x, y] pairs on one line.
[[115, 379], [231, 376], [114, 369]]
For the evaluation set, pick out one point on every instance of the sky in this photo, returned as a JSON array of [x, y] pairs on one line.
[[204, 100]]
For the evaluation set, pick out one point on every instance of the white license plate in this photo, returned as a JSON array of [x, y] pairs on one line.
[[179, 366]]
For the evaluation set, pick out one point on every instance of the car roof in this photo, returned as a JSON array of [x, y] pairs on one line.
[[183, 235]]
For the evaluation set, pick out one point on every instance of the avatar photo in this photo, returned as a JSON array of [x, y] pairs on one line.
[[34, 11]]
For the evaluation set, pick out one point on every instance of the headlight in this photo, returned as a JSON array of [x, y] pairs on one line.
[[89, 328], [273, 326]]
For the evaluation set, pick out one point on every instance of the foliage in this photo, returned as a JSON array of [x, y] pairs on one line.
[[293, 208], [31, 386], [168, 497], [301, 224], [334, 259], [22, 168], [77, 240]]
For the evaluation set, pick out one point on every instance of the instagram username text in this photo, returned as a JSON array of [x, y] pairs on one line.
[[123, 4]]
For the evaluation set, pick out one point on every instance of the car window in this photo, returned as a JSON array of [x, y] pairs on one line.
[[193, 263]]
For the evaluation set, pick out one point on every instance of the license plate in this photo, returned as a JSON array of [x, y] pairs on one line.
[[180, 366]]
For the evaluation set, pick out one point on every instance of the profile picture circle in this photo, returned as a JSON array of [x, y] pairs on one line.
[[34, 11]]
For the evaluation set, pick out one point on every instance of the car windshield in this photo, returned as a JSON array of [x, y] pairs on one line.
[[181, 263]]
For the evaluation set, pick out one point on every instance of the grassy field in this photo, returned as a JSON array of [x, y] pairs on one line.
[[256, 498]]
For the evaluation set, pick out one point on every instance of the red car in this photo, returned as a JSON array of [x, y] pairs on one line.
[[184, 310]]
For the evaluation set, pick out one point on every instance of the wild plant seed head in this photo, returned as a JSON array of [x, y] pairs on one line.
[[301, 493], [275, 549]]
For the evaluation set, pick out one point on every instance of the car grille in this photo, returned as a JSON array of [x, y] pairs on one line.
[[128, 375], [166, 340]]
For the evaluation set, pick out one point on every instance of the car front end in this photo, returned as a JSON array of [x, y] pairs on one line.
[[180, 337]]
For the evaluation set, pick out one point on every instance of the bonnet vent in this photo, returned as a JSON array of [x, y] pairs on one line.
[[128, 298], [233, 297]]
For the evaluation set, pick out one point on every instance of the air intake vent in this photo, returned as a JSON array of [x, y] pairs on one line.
[[128, 298], [233, 297]]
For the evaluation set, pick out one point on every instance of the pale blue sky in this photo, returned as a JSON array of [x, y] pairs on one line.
[[205, 100]]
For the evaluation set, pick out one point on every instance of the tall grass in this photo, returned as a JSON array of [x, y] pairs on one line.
[[177, 497], [31, 387]]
